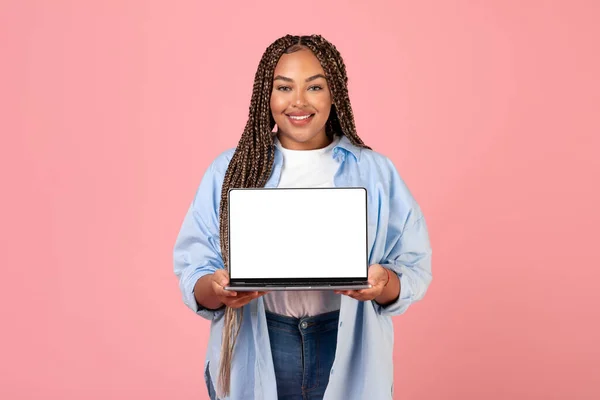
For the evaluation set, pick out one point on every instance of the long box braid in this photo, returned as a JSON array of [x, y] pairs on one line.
[[252, 161]]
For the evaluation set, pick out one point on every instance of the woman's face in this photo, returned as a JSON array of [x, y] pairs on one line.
[[300, 101]]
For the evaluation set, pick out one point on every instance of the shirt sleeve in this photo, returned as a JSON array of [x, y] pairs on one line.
[[408, 250], [197, 250]]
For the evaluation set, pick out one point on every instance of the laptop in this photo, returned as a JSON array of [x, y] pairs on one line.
[[298, 239]]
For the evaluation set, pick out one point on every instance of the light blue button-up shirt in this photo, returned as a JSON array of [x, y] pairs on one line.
[[398, 240]]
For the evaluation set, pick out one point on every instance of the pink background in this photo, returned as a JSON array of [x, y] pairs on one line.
[[110, 111]]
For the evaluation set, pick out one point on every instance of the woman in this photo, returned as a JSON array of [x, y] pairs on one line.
[[303, 345]]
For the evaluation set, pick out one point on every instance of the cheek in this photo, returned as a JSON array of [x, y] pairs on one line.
[[325, 107], [278, 105], [323, 103]]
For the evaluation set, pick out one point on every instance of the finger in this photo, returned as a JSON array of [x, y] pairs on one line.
[[250, 294], [237, 303], [358, 298], [376, 287], [221, 274], [355, 294], [368, 292], [377, 281], [247, 295], [223, 281], [220, 291], [362, 295], [370, 295], [257, 295]]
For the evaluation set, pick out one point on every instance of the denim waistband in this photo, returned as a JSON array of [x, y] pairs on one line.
[[317, 323]]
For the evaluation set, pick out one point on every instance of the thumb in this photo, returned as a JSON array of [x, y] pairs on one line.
[[221, 278], [377, 279]]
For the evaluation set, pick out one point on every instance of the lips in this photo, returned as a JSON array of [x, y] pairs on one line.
[[300, 119]]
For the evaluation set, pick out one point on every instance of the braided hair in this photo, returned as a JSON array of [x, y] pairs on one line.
[[252, 161]]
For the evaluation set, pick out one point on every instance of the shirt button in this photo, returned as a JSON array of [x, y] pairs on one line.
[[303, 325], [341, 324]]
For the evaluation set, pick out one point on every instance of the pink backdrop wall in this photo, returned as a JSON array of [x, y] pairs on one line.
[[110, 112]]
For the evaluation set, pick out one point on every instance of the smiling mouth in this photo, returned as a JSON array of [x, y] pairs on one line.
[[300, 117]]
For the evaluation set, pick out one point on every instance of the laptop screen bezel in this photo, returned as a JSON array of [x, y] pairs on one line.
[[300, 280]]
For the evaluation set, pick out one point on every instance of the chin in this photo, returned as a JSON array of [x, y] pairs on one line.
[[302, 134], [301, 137]]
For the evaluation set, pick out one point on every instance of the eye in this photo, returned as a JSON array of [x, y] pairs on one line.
[[283, 88], [315, 87]]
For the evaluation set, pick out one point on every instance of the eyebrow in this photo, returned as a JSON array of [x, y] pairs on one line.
[[312, 78]]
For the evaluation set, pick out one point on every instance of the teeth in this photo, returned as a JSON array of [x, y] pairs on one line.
[[299, 118]]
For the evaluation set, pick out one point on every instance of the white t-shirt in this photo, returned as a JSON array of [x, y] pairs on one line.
[[305, 168]]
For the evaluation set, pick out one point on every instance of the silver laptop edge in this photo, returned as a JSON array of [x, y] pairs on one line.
[[274, 288], [286, 286]]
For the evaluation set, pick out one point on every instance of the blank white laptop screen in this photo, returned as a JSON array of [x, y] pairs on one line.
[[297, 233]]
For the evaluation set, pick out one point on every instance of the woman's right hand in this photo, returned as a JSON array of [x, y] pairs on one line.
[[232, 299]]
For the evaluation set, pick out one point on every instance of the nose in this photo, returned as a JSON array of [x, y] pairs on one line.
[[299, 99]]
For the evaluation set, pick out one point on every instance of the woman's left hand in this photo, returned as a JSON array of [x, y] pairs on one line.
[[378, 277]]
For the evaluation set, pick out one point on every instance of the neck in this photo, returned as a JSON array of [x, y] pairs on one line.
[[318, 142]]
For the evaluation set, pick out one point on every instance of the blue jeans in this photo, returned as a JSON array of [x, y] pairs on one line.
[[303, 352]]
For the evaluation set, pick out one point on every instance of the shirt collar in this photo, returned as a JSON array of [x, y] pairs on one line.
[[346, 145]]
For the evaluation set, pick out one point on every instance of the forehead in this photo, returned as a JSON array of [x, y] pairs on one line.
[[299, 63]]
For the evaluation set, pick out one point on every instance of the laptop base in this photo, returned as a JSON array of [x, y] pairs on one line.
[[273, 287]]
